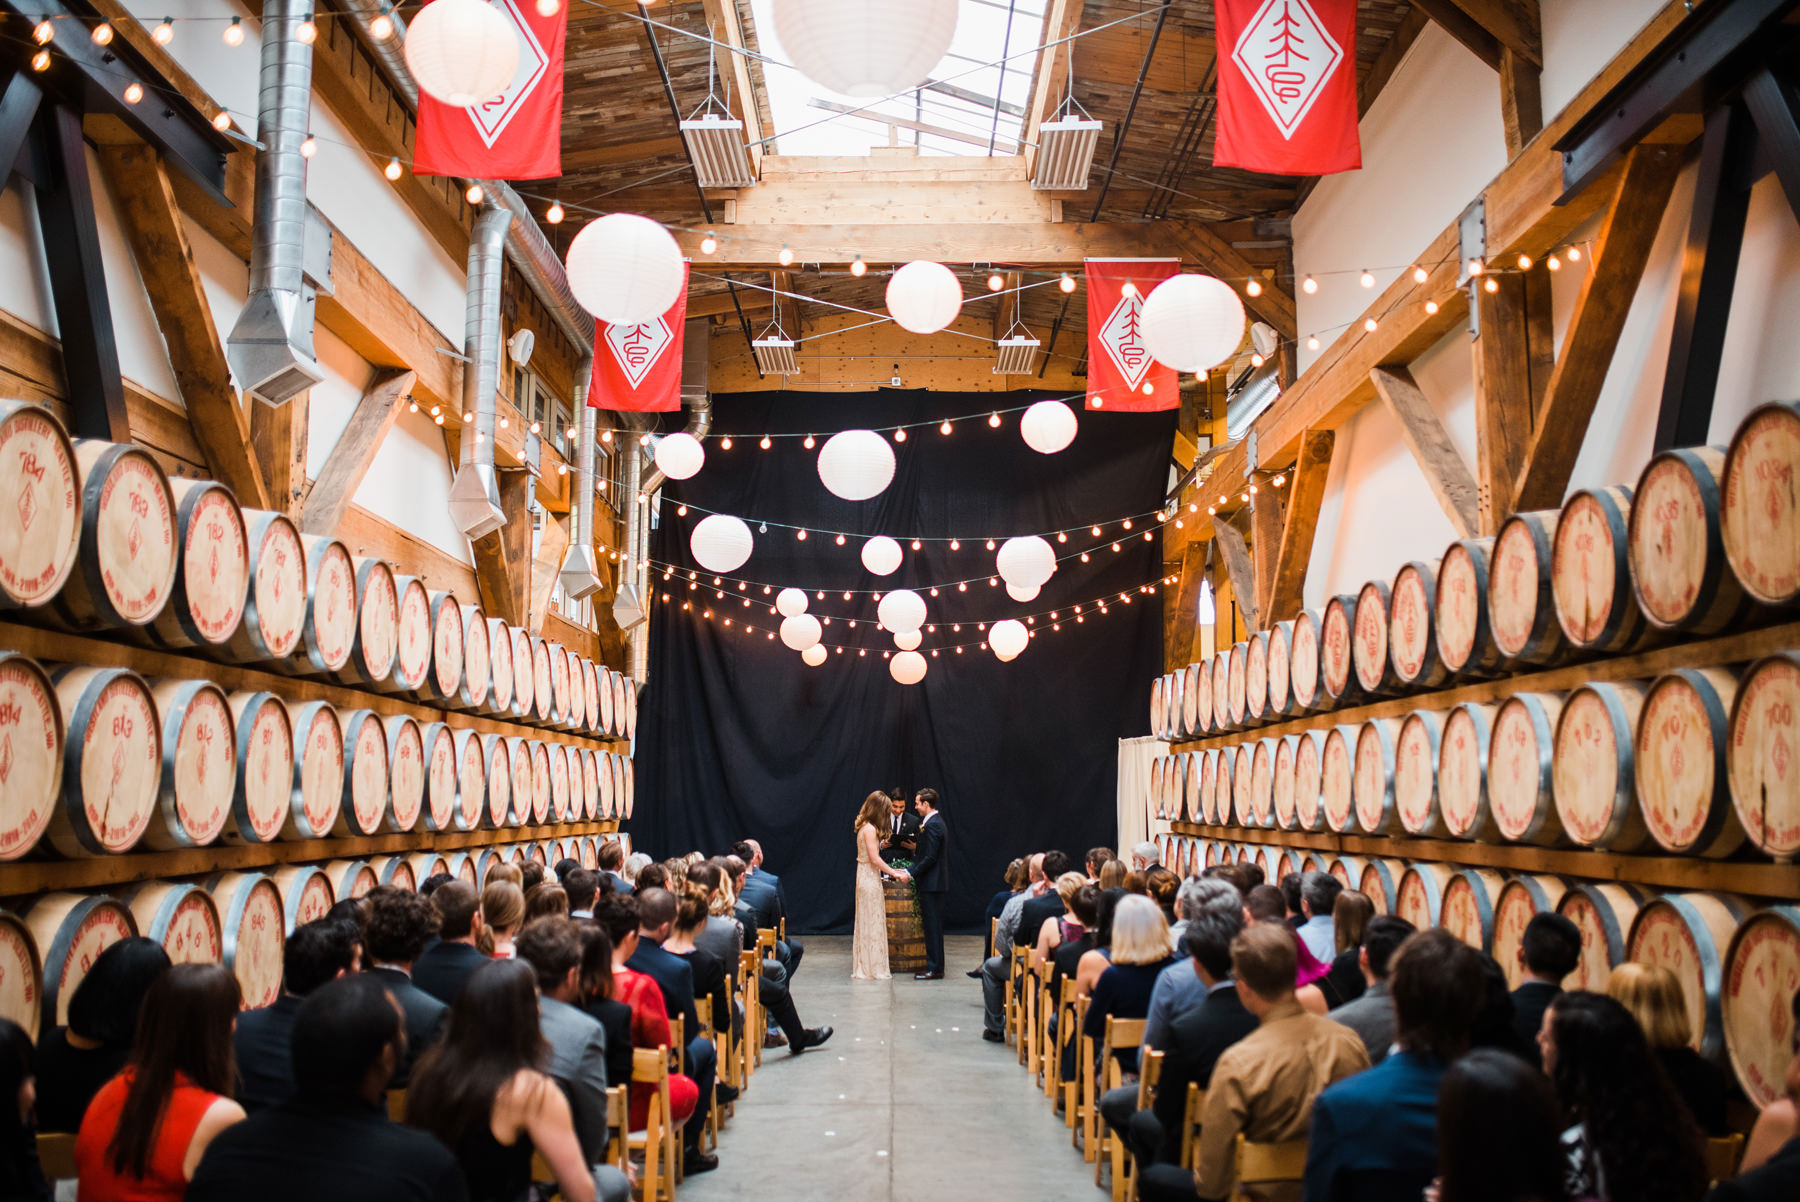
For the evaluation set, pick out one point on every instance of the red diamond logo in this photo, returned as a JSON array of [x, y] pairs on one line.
[[1122, 334], [135, 540], [637, 348], [28, 507], [1287, 57], [491, 117]]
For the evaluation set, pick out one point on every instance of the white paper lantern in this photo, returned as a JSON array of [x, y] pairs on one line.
[[909, 641], [721, 543], [865, 47], [1193, 322], [1025, 562], [790, 602], [1023, 594], [908, 667], [625, 269], [680, 455], [856, 464], [901, 611], [1048, 427], [1006, 638], [462, 52], [924, 297], [881, 555], [814, 655], [801, 631]]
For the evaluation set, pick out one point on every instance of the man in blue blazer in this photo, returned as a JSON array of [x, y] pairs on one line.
[[675, 977], [762, 892], [931, 880]]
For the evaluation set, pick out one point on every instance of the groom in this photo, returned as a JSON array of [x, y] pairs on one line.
[[931, 878]]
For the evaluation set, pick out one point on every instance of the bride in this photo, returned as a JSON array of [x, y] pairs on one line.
[[869, 952]]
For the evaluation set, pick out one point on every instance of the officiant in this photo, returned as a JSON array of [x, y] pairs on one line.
[[901, 839]]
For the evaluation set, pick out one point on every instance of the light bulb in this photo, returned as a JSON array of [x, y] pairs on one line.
[[505, 423], [392, 170], [1129, 289], [306, 33], [234, 32], [439, 419], [1312, 342], [1492, 285], [858, 268], [382, 26], [990, 544], [725, 443], [569, 434], [222, 122], [1256, 360], [164, 33], [1309, 285], [1474, 266], [1062, 536], [1420, 275], [412, 406], [840, 542], [606, 436], [643, 441], [786, 257], [800, 535], [42, 32], [765, 444], [134, 92], [1253, 288], [1574, 254], [994, 420], [1149, 387], [996, 282], [709, 244], [916, 544], [103, 34], [956, 544], [474, 195], [945, 428], [548, 8], [1096, 532], [40, 61], [1553, 263], [1431, 306], [899, 435], [309, 147], [1367, 279], [1524, 262], [810, 442], [536, 427], [1067, 283], [1369, 324]]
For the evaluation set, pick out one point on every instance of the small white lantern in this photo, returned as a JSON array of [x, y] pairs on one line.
[[462, 52], [790, 602], [907, 667], [801, 631], [1023, 594], [909, 641], [814, 655], [924, 297], [721, 543], [856, 464], [1048, 427], [865, 47], [1006, 638], [1025, 562], [901, 611], [1193, 322], [680, 455], [881, 555], [624, 269]]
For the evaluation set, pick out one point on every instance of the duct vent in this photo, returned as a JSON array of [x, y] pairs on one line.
[[1016, 355], [775, 356], [721, 160], [1065, 153]]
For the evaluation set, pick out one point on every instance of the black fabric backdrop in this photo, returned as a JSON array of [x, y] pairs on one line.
[[738, 738]]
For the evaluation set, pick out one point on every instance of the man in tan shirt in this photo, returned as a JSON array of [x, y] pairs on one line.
[[1264, 1086]]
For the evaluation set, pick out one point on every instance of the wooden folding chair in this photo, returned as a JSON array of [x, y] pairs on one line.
[[396, 1105], [1041, 1038], [1066, 1034], [755, 1022], [1722, 1156], [1030, 1016], [715, 1119], [56, 1156], [1121, 1034], [678, 1036], [1017, 962], [765, 950], [1076, 1016], [618, 1126], [1267, 1164], [1124, 1169], [1190, 1126], [650, 1066]]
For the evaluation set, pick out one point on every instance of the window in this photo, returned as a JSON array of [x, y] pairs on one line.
[[536, 403]]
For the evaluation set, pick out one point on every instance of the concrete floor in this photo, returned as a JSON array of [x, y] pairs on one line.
[[905, 1104]]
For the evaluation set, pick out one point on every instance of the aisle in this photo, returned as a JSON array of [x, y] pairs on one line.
[[905, 1104]]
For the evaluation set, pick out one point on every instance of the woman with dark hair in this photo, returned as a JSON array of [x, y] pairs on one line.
[[1098, 958], [21, 1180], [597, 999], [1343, 980], [649, 1016], [483, 1092], [1016, 879], [547, 899], [76, 1060], [145, 1131], [1499, 1132], [1632, 1139]]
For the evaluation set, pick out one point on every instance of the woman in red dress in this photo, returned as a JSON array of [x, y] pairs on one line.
[[649, 1017]]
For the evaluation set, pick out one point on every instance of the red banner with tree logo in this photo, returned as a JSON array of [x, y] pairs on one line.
[[638, 368], [1287, 86], [1121, 374], [517, 134]]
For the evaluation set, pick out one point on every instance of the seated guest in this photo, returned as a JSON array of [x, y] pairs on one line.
[[1253, 873], [1630, 1140], [315, 953], [147, 1129], [1140, 952], [634, 864], [762, 889], [1343, 980], [1771, 1166], [598, 1001], [1264, 904], [1179, 989], [333, 1139], [1290, 893], [563, 867], [1372, 1015], [351, 914], [1549, 951], [442, 968], [511, 873], [652, 876], [1653, 996], [1059, 927], [1162, 886], [720, 934], [997, 968], [531, 875], [1235, 875], [710, 979], [480, 1090], [432, 883], [1498, 1132], [502, 914], [76, 1060], [1375, 1135], [1035, 911], [583, 885], [1318, 894], [649, 1012], [21, 1177], [612, 865], [1014, 877], [548, 900], [400, 924], [1145, 855], [1065, 962], [1134, 882], [675, 978], [1112, 875], [1098, 958], [1494, 1023], [1096, 859]]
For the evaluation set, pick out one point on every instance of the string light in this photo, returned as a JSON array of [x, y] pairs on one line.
[[1492, 285], [383, 25], [709, 244], [725, 443], [1312, 342], [900, 434], [43, 32], [1369, 324], [1475, 267], [306, 33], [40, 61], [1574, 254], [222, 122], [134, 92], [1420, 275], [1367, 279], [1524, 262], [164, 33], [1309, 285], [548, 8], [765, 444], [554, 214], [1253, 288], [810, 443], [392, 170], [858, 268], [1067, 283], [994, 420], [474, 195], [1553, 263], [786, 257], [1129, 289], [234, 32], [996, 282], [102, 35], [944, 428], [309, 147]]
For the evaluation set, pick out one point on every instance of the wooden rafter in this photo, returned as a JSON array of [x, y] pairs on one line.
[[1239, 567], [1061, 18], [354, 452], [1006, 305], [1306, 492], [1220, 257], [1186, 625], [1443, 467], [1265, 542]]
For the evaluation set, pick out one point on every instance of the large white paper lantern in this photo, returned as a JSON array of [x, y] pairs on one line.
[[1025, 562], [814, 655], [909, 641], [865, 47], [625, 269], [801, 631], [907, 667], [1006, 638], [901, 611], [1023, 594], [881, 555], [1048, 427], [721, 543], [1193, 322], [790, 602], [856, 464], [924, 297], [462, 52], [680, 455]]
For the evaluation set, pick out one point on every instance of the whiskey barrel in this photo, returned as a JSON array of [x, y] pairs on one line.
[[1411, 635], [1221, 691], [1521, 603], [328, 628], [181, 917], [317, 790], [1337, 653], [1280, 643], [1348, 871], [1760, 515], [1762, 971], [1688, 934], [1464, 749], [1594, 773], [1337, 778], [478, 669], [1519, 770], [70, 931], [1153, 792], [112, 760], [499, 700], [1603, 912], [1676, 550], [1192, 718], [1372, 776], [1256, 676], [440, 812], [1243, 810], [1309, 780], [1236, 687], [1165, 784], [1522, 899], [1679, 749], [21, 971], [394, 870], [1262, 782], [406, 775], [471, 779], [39, 490], [590, 785], [1204, 770], [905, 930], [125, 569], [1760, 761], [376, 647], [365, 784], [351, 878], [543, 699], [1369, 656], [518, 751], [1465, 638], [524, 706], [561, 706], [1305, 663], [1590, 572], [443, 683], [591, 678], [608, 720], [1190, 792], [631, 707], [461, 866], [31, 749], [1281, 788], [561, 795], [413, 638], [306, 894], [426, 864], [198, 764], [1418, 748], [212, 570], [262, 795], [497, 751], [630, 786], [1469, 901], [1159, 706], [255, 928], [1420, 896], [1380, 879], [275, 604]]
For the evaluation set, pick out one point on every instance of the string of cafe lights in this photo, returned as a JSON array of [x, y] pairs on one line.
[[1126, 524]]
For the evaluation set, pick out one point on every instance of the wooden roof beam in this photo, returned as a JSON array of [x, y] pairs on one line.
[[1019, 243], [1061, 18]]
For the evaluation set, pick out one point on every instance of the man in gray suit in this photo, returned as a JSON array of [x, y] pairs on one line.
[[552, 946], [1372, 1015]]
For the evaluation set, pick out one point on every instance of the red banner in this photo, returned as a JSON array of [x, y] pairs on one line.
[[638, 368], [517, 134], [1287, 86], [1121, 375]]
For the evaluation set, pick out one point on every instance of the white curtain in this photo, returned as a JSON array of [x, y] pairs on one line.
[[1136, 813]]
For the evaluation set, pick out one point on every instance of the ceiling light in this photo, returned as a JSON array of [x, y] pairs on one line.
[[716, 145], [1065, 153]]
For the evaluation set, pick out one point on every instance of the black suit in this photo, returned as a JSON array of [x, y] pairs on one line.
[[264, 1042], [346, 1151], [443, 968], [931, 880], [1033, 916], [426, 1018], [908, 833], [1530, 1000], [1195, 1041]]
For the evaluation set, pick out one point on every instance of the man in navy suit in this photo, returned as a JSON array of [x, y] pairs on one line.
[[931, 880], [443, 968], [675, 977], [762, 892]]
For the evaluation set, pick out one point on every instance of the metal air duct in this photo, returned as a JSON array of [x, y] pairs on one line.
[[475, 493], [581, 568]]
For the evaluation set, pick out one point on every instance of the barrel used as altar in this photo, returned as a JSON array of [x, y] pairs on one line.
[[905, 933]]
